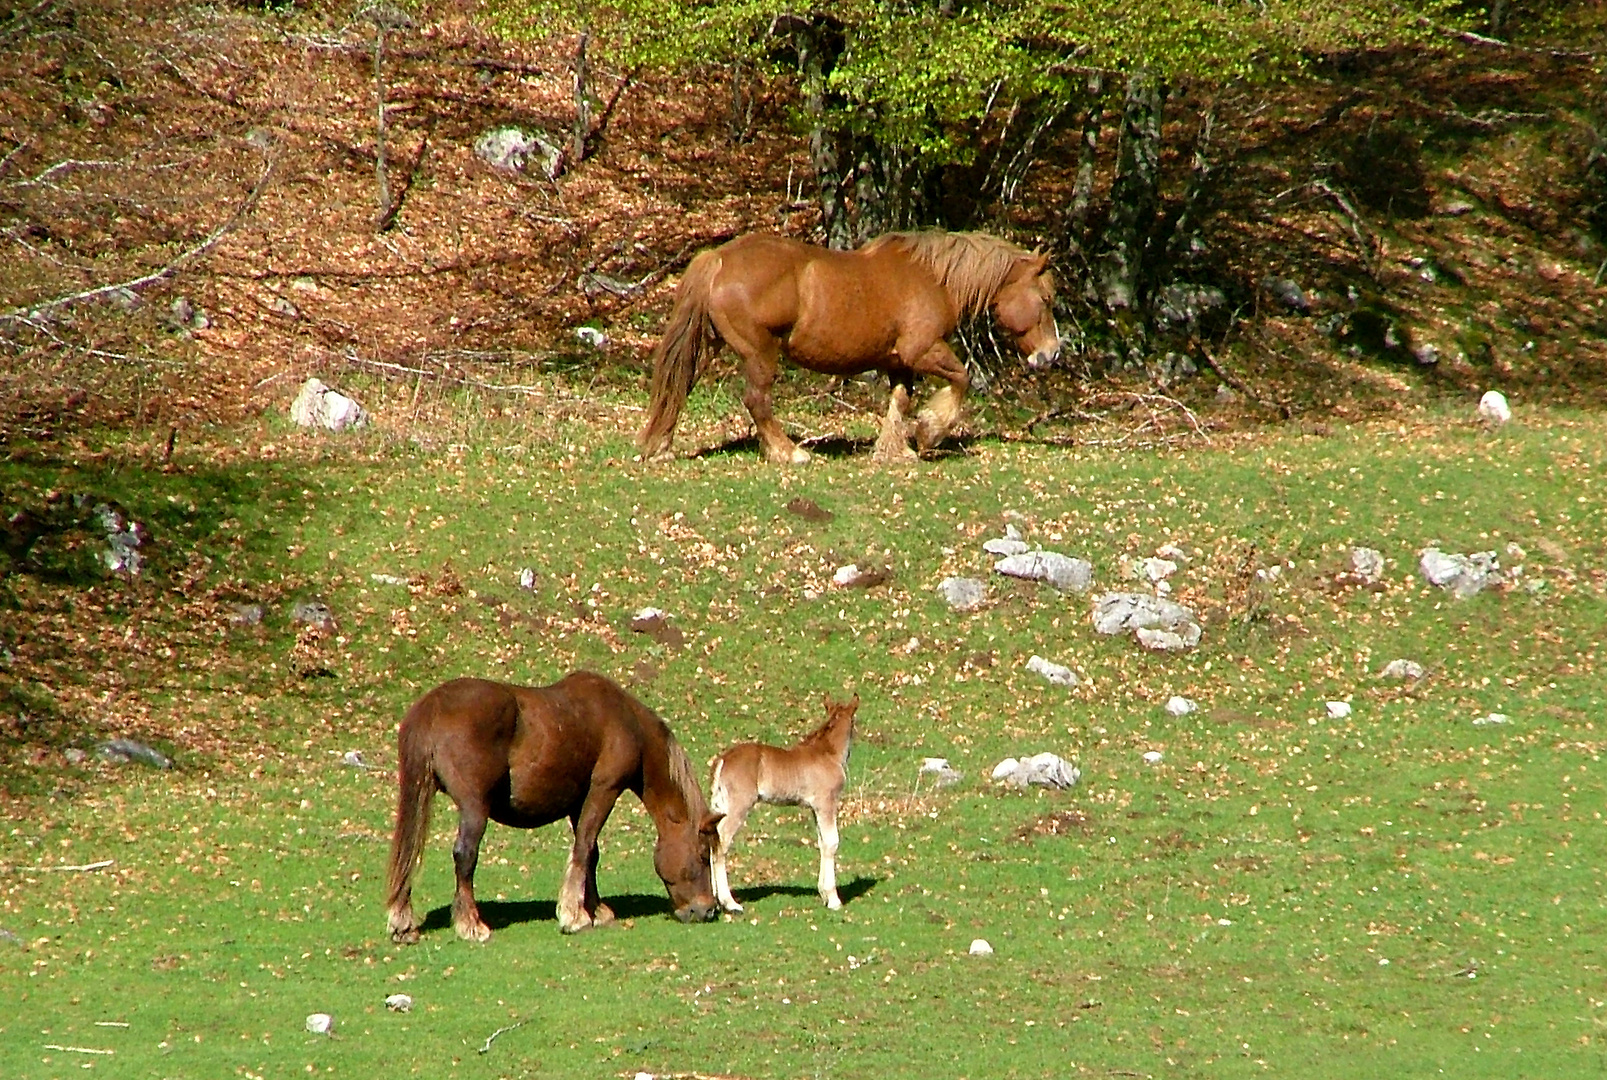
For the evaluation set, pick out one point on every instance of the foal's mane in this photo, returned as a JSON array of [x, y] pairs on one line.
[[972, 266]]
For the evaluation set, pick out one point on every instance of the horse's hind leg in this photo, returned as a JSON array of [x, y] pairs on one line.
[[465, 857], [761, 360], [826, 827], [734, 805]]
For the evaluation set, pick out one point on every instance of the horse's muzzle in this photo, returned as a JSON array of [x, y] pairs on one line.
[[1045, 357], [697, 912]]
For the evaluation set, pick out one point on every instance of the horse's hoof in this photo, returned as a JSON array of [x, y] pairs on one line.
[[576, 927], [407, 936], [833, 903], [733, 908], [603, 916], [477, 932]]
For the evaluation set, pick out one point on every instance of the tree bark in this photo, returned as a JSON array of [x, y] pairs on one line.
[[1135, 193], [582, 130], [1082, 191]]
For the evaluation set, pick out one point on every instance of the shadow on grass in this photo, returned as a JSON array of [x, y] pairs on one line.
[[848, 892], [827, 446]]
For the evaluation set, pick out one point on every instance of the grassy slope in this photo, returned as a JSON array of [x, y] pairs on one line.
[[1364, 866]]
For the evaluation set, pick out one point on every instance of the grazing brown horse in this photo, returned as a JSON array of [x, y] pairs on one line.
[[527, 756], [810, 774], [886, 306]]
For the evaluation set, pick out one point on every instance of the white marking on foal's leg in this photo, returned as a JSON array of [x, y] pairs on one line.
[[826, 825]]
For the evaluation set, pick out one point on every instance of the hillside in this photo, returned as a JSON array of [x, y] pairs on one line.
[[1431, 208]]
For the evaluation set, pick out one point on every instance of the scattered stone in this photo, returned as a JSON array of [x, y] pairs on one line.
[[1464, 575], [1153, 757], [656, 625], [387, 579], [123, 751], [1338, 710], [980, 947], [1045, 770], [11, 937], [399, 1003], [1225, 394], [354, 758], [183, 317], [314, 613], [1173, 553], [810, 510], [124, 538], [1181, 706], [320, 1023], [1286, 292], [946, 774], [1493, 718], [1457, 208], [1157, 623], [74, 755], [1402, 669], [1182, 304], [963, 594], [281, 305], [1009, 544], [1158, 569], [1055, 673], [1493, 407], [1061, 571], [1426, 354], [592, 336], [852, 577], [316, 405], [511, 150], [1367, 565], [527, 579]]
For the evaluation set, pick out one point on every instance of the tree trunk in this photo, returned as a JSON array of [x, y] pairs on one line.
[[582, 130], [1135, 193], [814, 63], [1082, 191], [384, 215]]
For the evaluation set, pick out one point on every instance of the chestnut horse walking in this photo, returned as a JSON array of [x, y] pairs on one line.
[[887, 306], [810, 774], [527, 756]]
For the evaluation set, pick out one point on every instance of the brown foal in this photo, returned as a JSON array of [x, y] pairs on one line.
[[810, 774]]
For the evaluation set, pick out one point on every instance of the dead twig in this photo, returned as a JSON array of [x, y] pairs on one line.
[[79, 869], [30, 312], [486, 1049]]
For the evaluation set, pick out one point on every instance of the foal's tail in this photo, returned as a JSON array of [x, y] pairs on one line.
[[688, 339], [417, 786]]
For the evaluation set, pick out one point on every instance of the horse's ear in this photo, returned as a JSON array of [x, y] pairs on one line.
[[710, 829], [1039, 261]]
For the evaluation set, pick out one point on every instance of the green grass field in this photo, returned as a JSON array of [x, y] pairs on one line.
[[1398, 892]]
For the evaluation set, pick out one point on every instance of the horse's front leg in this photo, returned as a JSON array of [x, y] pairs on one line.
[[465, 857], [934, 422], [761, 360], [893, 444], [579, 907]]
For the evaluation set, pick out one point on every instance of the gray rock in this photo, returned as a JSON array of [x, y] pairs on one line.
[[313, 613], [1464, 575], [963, 594], [1286, 292], [1426, 354], [1043, 770], [512, 149], [1367, 564], [124, 538], [1178, 705], [124, 751], [939, 767], [1402, 669], [1182, 304], [1493, 407], [1159, 569], [1058, 674], [1157, 623], [246, 614], [316, 405], [1006, 546], [1063, 572]]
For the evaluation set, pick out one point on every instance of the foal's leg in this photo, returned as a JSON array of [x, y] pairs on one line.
[[826, 827], [734, 804], [942, 411], [893, 443], [465, 857], [761, 359]]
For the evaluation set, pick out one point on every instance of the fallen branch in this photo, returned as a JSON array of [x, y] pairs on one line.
[[103, 864], [1204, 356], [486, 1049], [30, 311], [78, 1049]]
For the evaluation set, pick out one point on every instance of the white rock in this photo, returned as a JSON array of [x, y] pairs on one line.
[[1338, 710], [316, 405], [1006, 547], [1493, 718], [1367, 563], [527, 578], [1180, 706], [354, 758], [980, 947], [1464, 575], [939, 767], [1055, 673], [1063, 572], [1158, 569], [648, 614], [1153, 757], [1005, 768], [591, 336], [1045, 770], [1173, 553], [1157, 623], [399, 1003], [935, 764], [320, 1023], [1402, 669], [1493, 407], [963, 594], [846, 575]]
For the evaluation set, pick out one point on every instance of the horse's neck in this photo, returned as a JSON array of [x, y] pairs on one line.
[[832, 739]]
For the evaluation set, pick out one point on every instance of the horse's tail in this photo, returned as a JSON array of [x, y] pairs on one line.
[[417, 785], [688, 339]]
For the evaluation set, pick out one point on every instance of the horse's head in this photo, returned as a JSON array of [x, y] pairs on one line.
[[682, 859], [1024, 308]]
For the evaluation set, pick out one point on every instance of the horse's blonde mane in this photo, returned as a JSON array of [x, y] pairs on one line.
[[971, 266], [684, 778]]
